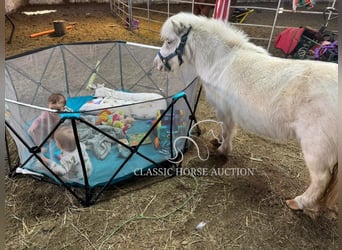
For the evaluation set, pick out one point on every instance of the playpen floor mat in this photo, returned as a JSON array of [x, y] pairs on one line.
[[104, 169]]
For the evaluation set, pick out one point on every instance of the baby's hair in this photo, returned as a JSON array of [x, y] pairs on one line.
[[56, 97], [65, 137]]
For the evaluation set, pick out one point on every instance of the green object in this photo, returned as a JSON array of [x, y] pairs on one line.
[[134, 139], [93, 76]]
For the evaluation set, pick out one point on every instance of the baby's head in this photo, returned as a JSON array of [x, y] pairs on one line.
[[65, 138], [57, 102]]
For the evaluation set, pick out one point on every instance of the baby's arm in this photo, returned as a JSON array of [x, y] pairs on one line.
[[33, 126], [55, 167], [36, 122]]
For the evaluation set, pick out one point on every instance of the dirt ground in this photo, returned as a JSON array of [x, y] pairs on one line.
[[241, 211]]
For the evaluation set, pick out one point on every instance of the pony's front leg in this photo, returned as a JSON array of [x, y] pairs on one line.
[[228, 133]]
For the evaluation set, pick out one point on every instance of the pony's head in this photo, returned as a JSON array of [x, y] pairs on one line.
[[198, 39], [175, 33]]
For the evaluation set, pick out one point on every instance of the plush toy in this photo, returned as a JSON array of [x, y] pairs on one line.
[[124, 123], [118, 124], [116, 120], [103, 117], [128, 120]]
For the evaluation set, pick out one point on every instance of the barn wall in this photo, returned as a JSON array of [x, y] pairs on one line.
[[12, 5]]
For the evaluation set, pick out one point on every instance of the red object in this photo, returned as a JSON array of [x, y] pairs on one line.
[[221, 10], [288, 39], [115, 118], [309, 4], [125, 128], [47, 32], [156, 143]]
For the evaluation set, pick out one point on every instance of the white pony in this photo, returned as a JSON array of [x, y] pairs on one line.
[[272, 97]]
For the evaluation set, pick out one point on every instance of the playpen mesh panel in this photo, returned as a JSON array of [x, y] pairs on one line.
[[131, 132]]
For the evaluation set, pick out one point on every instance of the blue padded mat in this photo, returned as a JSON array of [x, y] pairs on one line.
[[104, 169], [75, 103]]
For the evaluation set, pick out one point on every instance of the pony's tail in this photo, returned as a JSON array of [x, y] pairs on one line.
[[330, 197]]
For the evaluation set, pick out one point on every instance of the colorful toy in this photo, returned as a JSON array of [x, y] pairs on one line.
[[103, 116], [117, 120], [162, 132], [156, 143], [136, 138]]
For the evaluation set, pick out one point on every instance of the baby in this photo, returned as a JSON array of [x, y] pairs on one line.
[[70, 168], [47, 121]]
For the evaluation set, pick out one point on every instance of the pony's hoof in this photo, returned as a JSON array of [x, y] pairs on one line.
[[222, 151], [292, 204], [215, 143]]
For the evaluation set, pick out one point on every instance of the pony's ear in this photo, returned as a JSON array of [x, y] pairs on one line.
[[178, 27]]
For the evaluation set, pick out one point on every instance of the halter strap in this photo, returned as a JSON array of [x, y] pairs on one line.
[[178, 52]]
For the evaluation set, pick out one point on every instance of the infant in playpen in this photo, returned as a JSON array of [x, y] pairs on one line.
[[46, 121], [70, 167]]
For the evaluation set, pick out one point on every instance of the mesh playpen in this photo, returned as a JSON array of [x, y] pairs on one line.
[[121, 116]]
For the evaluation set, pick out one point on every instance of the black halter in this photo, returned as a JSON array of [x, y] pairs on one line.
[[178, 52]]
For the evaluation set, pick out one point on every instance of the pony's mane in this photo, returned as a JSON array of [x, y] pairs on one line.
[[223, 31]]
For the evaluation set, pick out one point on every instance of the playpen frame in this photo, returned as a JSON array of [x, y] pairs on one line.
[[92, 194], [90, 197]]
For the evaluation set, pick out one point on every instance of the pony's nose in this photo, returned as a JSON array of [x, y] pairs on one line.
[[158, 63]]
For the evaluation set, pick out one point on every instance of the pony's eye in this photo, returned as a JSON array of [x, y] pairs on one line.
[[169, 42]]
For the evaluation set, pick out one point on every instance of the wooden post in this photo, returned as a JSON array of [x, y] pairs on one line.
[[60, 28]]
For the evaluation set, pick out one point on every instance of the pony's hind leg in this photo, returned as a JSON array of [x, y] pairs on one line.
[[320, 164], [309, 200]]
